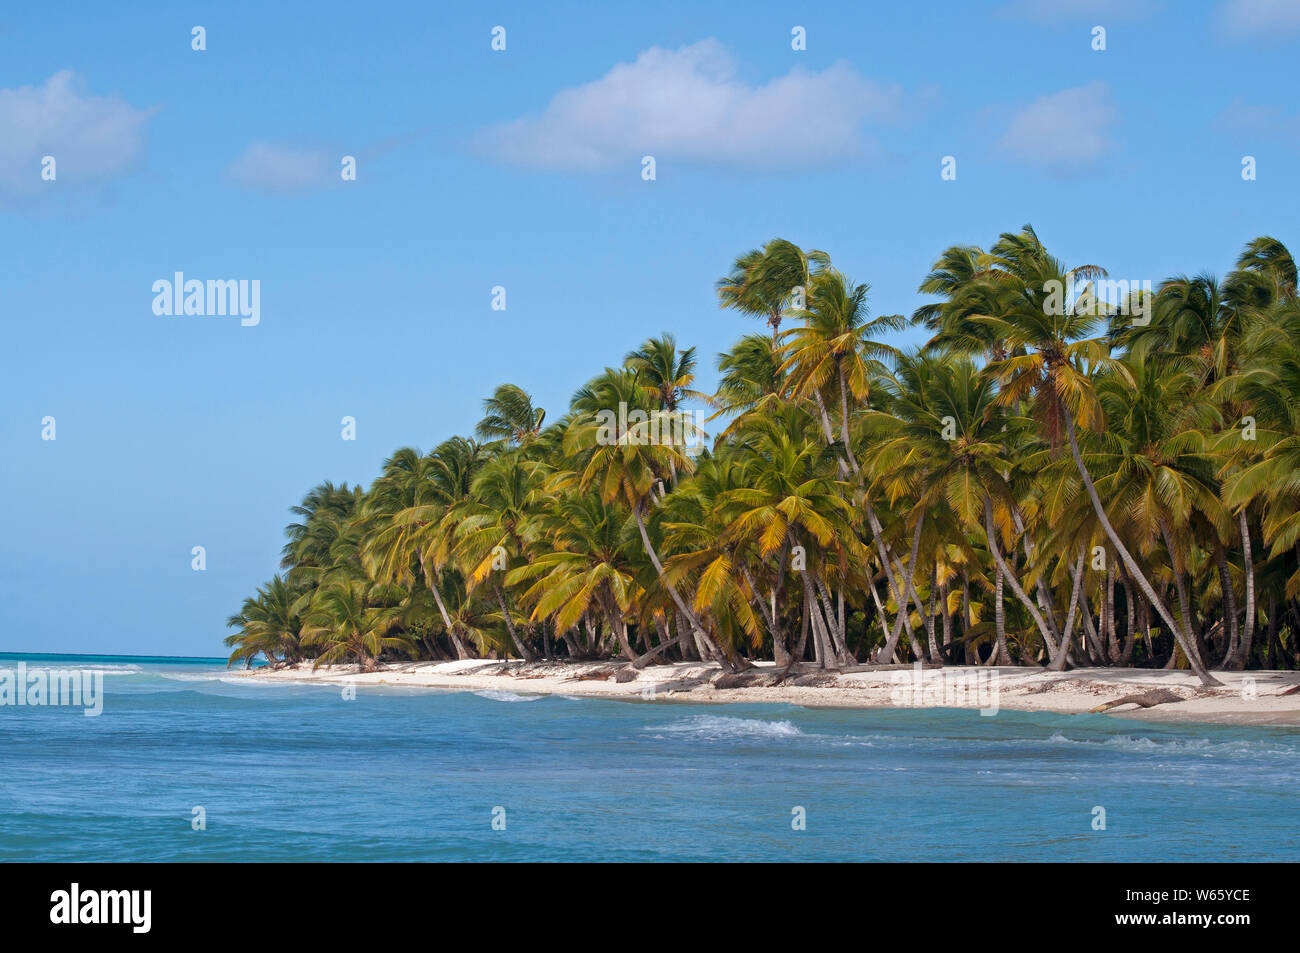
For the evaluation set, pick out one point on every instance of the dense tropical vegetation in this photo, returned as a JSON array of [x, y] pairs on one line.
[[1107, 476]]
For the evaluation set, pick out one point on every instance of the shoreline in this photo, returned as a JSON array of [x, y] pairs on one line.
[[1239, 702]]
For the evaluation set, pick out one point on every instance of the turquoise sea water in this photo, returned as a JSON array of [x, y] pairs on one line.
[[296, 772]]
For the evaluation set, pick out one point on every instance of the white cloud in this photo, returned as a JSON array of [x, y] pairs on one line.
[[1264, 18], [1064, 132], [92, 138], [1241, 119], [281, 167], [688, 105]]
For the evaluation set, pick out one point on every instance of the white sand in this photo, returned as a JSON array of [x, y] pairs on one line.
[[1248, 698]]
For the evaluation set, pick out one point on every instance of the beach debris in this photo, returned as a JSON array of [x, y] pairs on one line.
[[753, 678], [815, 681], [602, 674], [625, 675], [1149, 699]]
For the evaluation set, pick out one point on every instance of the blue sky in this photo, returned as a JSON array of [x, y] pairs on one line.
[[520, 168]]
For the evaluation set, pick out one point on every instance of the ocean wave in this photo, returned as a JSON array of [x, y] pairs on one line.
[[497, 696], [107, 669], [1192, 746], [726, 728], [190, 677]]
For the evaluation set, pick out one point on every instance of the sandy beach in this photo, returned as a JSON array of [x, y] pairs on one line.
[[1247, 698]]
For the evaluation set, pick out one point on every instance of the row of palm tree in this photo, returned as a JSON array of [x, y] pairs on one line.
[[1098, 479]]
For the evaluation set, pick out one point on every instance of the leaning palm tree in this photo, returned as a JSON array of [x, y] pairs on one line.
[[950, 449], [833, 360], [629, 466], [583, 563], [793, 506], [1053, 375], [953, 503], [352, 620], [494, 527], [270, 624], [833, 357]]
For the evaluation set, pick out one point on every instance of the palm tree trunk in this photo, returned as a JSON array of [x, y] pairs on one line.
[[999, 655], [990, 531], [1126, 657], [913, 598], [849, 658], [641, 661], [901, 595], [461, 651], [970, 656], [1112, 639], [661, 628], [1229, 607], [799, 650], [1129, 562], [1063, 651], [935, 655], [836, 630], [880, 608], [849, 460], [724, 658], [1096, 652], [619, 627], [524, 651], [822, 653], [1184, 602], [1041, 590], [947, 619], [1242, 658], [1144, 623], [772, 618]]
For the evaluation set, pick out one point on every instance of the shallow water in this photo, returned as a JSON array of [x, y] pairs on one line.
[[296, 772]]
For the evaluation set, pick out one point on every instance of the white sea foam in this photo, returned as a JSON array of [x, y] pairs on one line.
[[725, 728], [1192, 746], [191, 677], [506, 696]]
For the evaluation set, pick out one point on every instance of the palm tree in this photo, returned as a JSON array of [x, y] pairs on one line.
[[664, 371], [509, 415], [792, 499], [750, 376], [767, 282], [1052, 375], [269, 623], [833, 356], [629, 468], [494, 526], [353, 619], [950, 450], [846, 464]]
